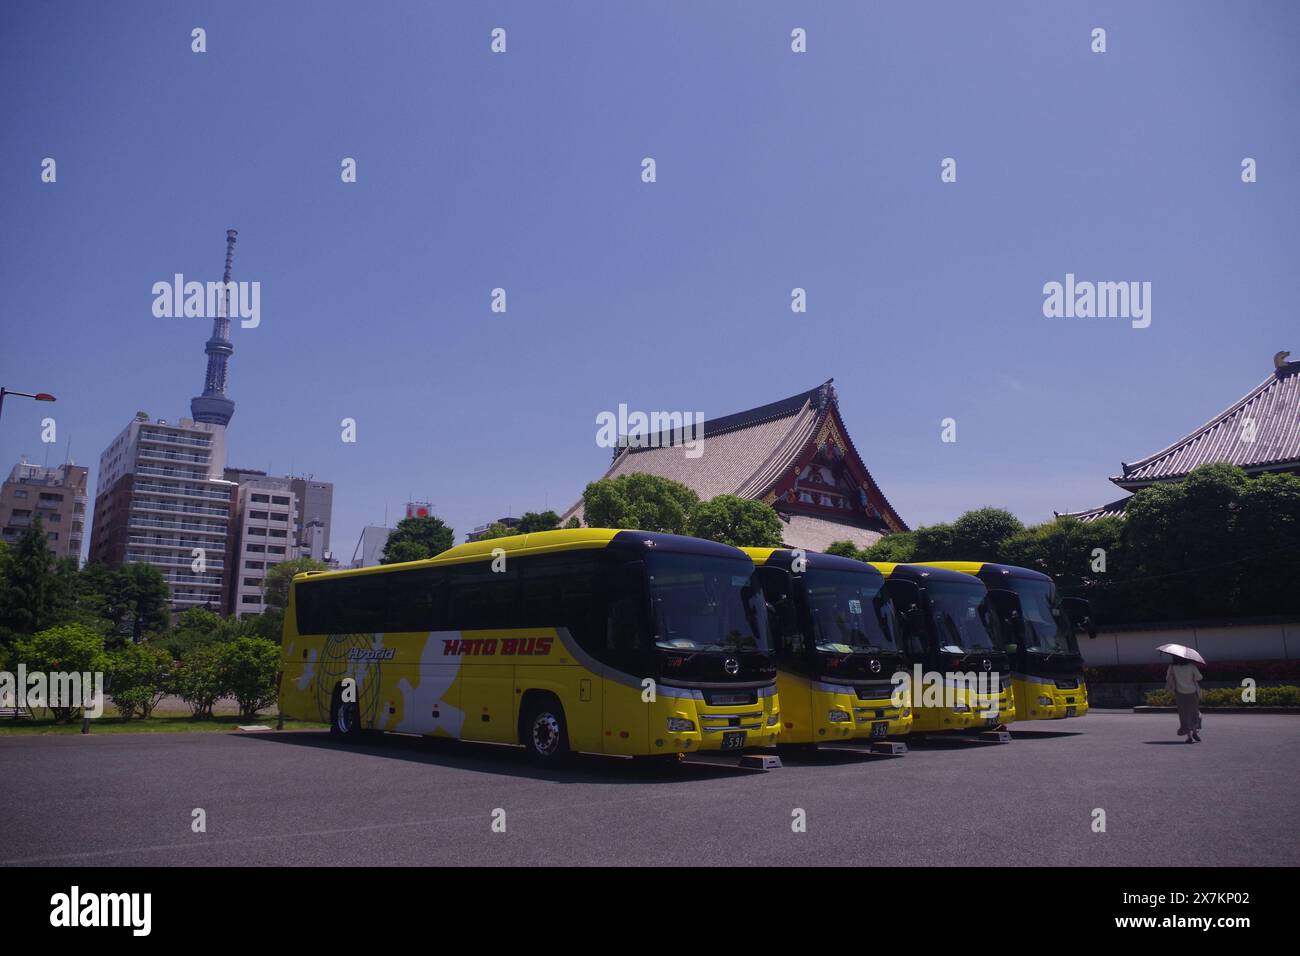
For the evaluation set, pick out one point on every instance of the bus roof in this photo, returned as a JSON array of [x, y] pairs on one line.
[[920, 573], [979, 568], [815, 559], [544, 542]]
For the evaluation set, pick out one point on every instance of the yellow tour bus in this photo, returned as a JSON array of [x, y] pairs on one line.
[[960, 679], [837, 647], [1046, 665], [597, 640]]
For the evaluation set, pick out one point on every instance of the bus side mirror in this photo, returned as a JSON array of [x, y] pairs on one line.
[[1006, 604], [1079, 612]]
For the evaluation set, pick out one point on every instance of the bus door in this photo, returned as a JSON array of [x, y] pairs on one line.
[[483, 603]]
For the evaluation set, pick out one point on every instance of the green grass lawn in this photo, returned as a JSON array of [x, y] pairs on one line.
[[159, 723]]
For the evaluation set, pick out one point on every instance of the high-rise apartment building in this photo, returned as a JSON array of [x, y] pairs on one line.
[[264, 536], [162, 498], [57, 495]]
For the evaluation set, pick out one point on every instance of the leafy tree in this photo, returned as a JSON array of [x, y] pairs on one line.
[[67, 648], [199, 627], [275, 587], [845, 549], [573, 523], [198, 679], [415, 539], [899, 548], [498, 530], [741, 522], [27, 595], [977, 535], [140, 676], [269, 625], [639, 502], [248, 669], [134, 598], [538, 521]]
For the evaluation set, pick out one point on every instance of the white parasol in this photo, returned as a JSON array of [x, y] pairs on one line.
[[1180, 650]]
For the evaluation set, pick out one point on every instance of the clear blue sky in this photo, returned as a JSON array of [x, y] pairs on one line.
[[775, 170]]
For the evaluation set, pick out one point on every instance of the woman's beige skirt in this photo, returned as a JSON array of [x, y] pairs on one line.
[[1189, 712]]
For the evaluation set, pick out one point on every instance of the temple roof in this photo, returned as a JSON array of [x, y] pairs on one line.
[[1112, 509], [753, 453], [1273, 408]]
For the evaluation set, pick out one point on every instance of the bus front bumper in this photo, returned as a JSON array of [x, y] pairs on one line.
[[1042, 700], [683, 725]]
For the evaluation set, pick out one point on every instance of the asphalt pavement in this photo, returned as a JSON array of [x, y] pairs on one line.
[[300, 799]]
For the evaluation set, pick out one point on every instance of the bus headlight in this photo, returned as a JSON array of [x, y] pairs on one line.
[[773, 718], [680, 725], [839, 716], [905, 712], [1045, 701]]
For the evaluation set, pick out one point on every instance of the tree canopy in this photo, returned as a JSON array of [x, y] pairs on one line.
[[415, 539]]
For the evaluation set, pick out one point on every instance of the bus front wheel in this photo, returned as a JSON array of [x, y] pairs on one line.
[[544, 734], [345, 718]]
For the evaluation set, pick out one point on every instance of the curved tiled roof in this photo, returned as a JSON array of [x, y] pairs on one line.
[[1112, 509], [1273, 408], [744, 454]]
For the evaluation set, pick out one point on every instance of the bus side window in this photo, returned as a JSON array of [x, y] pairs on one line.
[[626, 624], [479, 598], [783, 617], [560, 592], [413, 600]]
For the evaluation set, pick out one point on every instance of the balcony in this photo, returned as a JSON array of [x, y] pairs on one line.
[[183, 491], [172, 438], [172, 456], [146, 504]]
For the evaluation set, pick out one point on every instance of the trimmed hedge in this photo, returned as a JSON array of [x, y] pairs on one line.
[[1231, 697], [1235, 671]]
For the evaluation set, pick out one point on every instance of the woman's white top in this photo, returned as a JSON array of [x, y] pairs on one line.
[[1184, 678]]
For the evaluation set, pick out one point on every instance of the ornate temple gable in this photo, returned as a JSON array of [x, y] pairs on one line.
[[829, 480], [797, 445]]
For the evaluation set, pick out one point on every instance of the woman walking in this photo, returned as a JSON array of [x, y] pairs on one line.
[[1183, 680]]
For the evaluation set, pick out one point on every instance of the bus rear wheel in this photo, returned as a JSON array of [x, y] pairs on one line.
[[345, 718], [543, 732]]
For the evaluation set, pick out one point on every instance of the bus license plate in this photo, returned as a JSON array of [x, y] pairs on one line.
[[733, 741], [880, 728], [1071, 711]]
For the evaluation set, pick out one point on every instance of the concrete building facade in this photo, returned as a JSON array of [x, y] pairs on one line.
[[55, 494], [162, 500]]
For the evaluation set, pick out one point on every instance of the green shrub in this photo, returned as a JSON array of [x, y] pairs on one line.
[[248, 669], [67, 648], [1231, 697], [139, 678], [197, 679]]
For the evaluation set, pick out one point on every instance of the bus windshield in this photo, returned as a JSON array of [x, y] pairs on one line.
[[851, 613], [1047, 629], [704, 603], [962, 619]]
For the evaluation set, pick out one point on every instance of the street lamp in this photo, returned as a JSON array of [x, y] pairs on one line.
[[39, 396]]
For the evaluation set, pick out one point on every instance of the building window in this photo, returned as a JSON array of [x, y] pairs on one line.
[[278, 533], [262, 499], [251, 599], [259, 515], [279, 500], [274, 550], [252, 582], [254, 565], [256, 549], [261, 531], [20, 492]]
